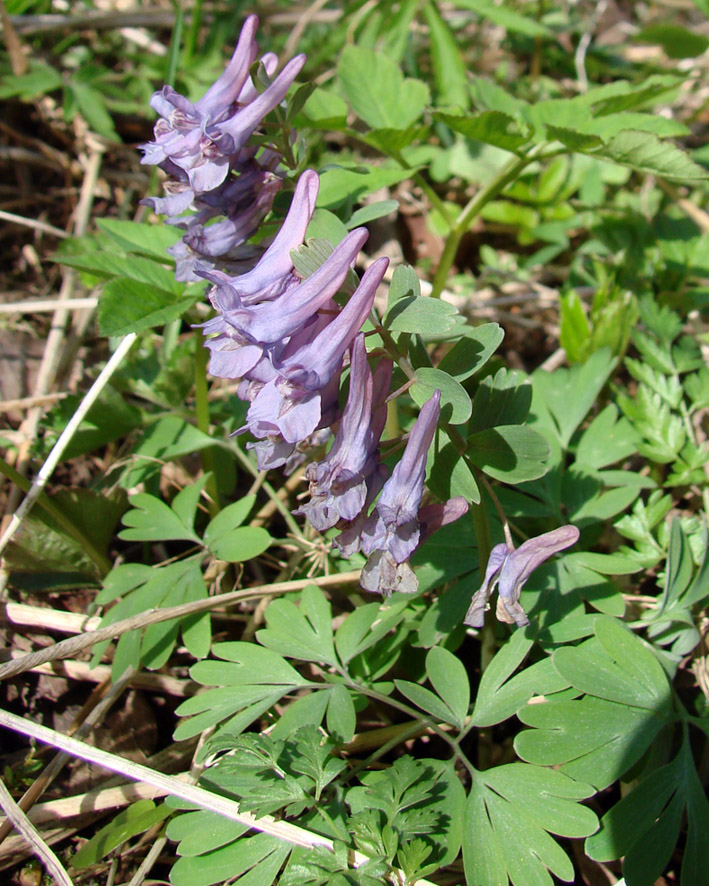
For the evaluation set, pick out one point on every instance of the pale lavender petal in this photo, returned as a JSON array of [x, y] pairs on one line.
[[475, 616], [227, 88], [316, 362], [432, 517], [240, 126], [531, 554], [382, 574], [275, 320]]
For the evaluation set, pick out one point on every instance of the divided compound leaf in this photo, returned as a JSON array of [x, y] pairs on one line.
[[252, 861], [152, 520], [627, 701], [532, 803], [303, 632]]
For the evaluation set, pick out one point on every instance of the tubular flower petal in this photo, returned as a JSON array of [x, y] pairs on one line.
[[205, 139], [291, 404], [394, 524], [510, 568], [338, 483]]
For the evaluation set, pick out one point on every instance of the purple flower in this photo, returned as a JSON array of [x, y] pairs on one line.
[[273, 321], [233, 353], [510, 569], [204, 139], [349, 541], [338, 483], [292, 404], [394, 525], [274, 273]]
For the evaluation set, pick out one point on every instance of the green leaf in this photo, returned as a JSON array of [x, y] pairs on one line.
[[39, 80], [678, 42], [572, 139], [644, 825], [366, 625], [168, 438], [92, 105], [449, 69], [308, 710], [404, 284], [377, 90], [491, 127], [325, 110], [304, 633], [606, 564], [644, 152], [511, 453], [341, 716], [372, 211], [530, 803], [427, 701], [502, 399], [146, 239], [129, 306], [503, 693], [422, 315], [450, 680], [339, 184], [606, 440], [261, 855], [82, 253], [570, 393], [450, 473], [229, 518], [241, 544], [575, 328], [138, 817], [200, 832], [324, 231], [620, 668], [590, 739], [506, 17], [472, 352], [455, 402], [152, 520], [393, 141]]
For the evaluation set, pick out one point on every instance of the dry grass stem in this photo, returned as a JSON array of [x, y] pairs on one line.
[[46, 305], [282, 830], [55, 766], [55, 455], [67, 648], [25, 827]]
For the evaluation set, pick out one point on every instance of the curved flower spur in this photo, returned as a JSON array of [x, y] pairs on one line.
[[509, 569]]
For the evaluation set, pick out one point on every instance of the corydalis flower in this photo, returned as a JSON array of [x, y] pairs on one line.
[[510, 568], [393, 525], [338, 483], [292, 404], [382, 574], [204, 138]]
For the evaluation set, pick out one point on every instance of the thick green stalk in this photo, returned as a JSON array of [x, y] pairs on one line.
[[202, 416], [507, 174], [48, 506]]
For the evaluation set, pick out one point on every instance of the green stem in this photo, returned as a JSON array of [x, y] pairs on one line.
[[175, 40], [415, 715], [202, 414], [191, 40], [507, 174], [48, 506]]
